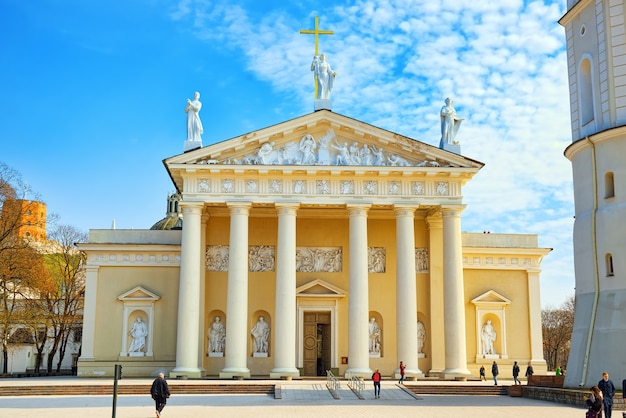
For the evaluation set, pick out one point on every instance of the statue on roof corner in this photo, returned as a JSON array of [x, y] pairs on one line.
[[194, 125], [449, 124], [325, 76]]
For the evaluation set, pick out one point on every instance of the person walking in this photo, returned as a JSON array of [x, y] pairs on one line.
[[376, 378], [495, 372], [529, 372], [402, 372], [160, 391], [516, 374], [608, 391], [594, 402], [482, 373]]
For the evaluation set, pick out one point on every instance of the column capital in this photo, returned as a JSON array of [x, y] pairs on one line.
[[191, 207], [434, 221], [287, 208], [358, 210], [239, 208], [452, 210], [405, 210]]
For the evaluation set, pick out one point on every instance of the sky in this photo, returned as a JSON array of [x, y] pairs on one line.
[[92, 97]]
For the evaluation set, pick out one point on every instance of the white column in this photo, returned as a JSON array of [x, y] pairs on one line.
[[453, 294], [189, 294], [435, 340], [235, 362], [534, 307], [358, 303], [89, 313], [285, 315], [202, 323], [406, 290]]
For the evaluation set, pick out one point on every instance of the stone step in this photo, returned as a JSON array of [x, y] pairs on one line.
[[76, 390], [458, 390]]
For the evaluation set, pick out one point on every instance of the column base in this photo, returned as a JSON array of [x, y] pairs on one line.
[[413, 373], [187, 372], [279, 373], [453, 374], [235, 372], [359, 372]]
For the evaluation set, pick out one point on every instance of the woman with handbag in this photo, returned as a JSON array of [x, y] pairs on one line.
[[594, 402]]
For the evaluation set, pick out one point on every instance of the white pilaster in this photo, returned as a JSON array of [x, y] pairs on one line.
[[188, 326], [406, 290], [534, 307], [436, 338], [358, 304], [285, 315], [202, 323], [236, 348], [89, 313], [453, 293]]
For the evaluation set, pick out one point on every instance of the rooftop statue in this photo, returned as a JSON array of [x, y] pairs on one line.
[[325, 76], [449, 123], [194, 125]]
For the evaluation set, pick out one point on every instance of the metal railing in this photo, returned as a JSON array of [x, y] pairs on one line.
[[356, 384], [332, 382]]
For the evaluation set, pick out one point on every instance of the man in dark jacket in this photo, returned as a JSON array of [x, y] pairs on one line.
[[608, 391], [495, 372], [160, 392]]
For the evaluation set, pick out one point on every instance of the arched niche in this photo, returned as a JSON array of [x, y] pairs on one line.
[[211, 319], [137, 302], [376, 325], [491, 307], [260, 316]]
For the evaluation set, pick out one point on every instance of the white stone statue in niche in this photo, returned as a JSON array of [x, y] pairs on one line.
[[324, 75], [488, 336], [139, 332], [421, 337], [194, 125], [449, 123], [217, 336], [374, 332], [261, 334]]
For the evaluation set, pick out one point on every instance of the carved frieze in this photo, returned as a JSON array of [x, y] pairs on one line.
[[421, 260], [376, 260], [318, 259]]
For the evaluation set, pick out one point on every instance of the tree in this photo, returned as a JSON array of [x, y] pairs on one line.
[[557, 327], [64, 301], [21, 266]]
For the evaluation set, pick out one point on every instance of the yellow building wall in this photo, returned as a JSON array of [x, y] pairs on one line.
[[114, 281]]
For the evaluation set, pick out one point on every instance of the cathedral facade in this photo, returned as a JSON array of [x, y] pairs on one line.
[[319, 244]]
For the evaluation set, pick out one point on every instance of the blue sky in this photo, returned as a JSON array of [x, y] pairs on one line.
[[93, 94]]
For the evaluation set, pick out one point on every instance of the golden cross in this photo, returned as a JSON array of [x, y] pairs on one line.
[[317, 32]]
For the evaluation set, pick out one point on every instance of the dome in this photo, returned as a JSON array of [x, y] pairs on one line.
[[173, 218]]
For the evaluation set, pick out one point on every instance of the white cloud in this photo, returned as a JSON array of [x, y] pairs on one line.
[[503, 63]]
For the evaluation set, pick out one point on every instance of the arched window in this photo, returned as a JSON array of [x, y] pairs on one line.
[[609, 265], [609, 186], [585, 92]]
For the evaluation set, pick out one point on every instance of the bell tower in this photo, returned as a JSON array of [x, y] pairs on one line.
[[596, 60]]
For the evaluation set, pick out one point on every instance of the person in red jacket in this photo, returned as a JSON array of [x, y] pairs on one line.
[[376, 377]]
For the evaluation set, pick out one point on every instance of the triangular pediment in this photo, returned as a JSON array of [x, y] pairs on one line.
[[491, 297], [319, 288], [323, 138], [138, 294]]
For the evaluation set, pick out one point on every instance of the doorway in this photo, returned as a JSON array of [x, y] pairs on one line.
[[317, 343]]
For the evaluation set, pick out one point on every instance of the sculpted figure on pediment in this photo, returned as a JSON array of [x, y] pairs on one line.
[[328, 150]]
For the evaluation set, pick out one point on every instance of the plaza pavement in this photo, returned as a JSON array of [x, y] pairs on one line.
[[300, 398]]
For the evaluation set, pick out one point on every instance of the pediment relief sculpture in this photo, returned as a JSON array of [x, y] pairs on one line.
[[324, 151]]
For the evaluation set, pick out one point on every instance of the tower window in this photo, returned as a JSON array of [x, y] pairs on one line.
[[583, 29], [586, 92], [609, 265], [609, 185]]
